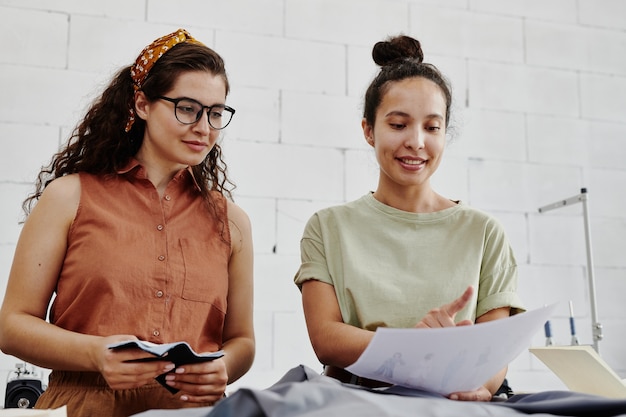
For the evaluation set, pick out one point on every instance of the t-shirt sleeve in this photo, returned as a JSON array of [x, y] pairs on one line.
[[498, 275], [312, 255]]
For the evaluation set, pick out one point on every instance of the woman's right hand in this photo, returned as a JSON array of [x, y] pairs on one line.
[[121, 369], [444, 315]]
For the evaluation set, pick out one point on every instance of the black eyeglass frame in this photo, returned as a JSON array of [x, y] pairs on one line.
[[201, 112]]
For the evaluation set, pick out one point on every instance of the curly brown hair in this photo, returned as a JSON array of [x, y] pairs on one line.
[[99, 145]]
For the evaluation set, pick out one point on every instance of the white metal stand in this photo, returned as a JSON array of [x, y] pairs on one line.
[[596, 327]]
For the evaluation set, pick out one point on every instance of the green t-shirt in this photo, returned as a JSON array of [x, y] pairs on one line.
[[390, 267]]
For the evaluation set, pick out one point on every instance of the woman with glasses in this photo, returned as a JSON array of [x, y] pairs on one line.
[[134, 237], [402, 256]]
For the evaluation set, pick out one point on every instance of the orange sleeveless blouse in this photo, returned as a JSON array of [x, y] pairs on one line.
[[136, 263]]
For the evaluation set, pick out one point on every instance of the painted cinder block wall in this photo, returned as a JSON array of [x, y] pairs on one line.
[[539, 113]]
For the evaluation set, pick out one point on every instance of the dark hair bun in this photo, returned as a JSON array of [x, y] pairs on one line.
[[396, 49]]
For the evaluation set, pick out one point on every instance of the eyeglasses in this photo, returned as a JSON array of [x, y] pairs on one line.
[[188, 111]]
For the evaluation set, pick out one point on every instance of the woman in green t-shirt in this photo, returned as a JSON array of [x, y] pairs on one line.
[[403, 256]]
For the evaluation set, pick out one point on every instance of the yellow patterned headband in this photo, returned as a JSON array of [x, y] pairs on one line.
[[148, 57]]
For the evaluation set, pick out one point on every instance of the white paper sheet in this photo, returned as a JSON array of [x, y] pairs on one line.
[[451, 359]]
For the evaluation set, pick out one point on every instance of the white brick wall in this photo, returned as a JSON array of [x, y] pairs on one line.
[[480, 36], [539, 100]]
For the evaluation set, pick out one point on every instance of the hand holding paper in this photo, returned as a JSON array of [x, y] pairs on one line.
[[450, 359]]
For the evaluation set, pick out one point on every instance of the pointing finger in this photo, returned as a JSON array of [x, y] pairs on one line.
[[458, 304]]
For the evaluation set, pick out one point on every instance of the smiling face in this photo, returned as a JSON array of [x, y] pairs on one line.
[[408, 134], [169, 143]]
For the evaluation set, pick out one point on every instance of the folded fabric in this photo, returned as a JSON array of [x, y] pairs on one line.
[[179, 353]]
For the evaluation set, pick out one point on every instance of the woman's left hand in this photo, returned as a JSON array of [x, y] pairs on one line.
[[481, 394], [200, 382]]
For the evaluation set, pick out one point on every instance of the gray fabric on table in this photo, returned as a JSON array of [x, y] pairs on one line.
[[304, 393], [182, 412]]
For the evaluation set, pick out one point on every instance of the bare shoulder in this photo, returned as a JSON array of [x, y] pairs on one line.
[[61, 196], [66, 188], [240, 228]]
